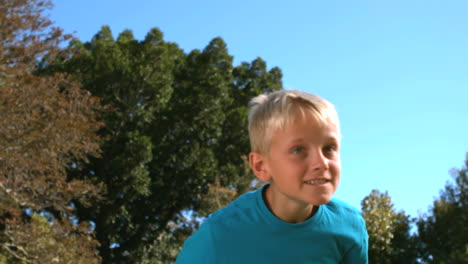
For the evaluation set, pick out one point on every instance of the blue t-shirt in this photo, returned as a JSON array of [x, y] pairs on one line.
[[247, 232]]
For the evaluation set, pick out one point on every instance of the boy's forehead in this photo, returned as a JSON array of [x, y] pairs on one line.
[[310, 125], [312, 118]]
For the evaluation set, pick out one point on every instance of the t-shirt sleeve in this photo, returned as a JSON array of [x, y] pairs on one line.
[[358, 254], [198, 248]]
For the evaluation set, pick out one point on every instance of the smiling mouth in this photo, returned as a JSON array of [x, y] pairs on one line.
[[315, 182]]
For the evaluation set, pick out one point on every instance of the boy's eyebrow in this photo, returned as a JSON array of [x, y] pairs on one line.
[[332, 135], [333, 138], [329, 137]]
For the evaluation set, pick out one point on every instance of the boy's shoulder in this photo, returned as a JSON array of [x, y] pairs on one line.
[[243, 205], [342, 207], [345, 215]]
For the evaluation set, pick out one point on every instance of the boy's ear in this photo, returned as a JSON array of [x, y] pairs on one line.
[[259, 166]]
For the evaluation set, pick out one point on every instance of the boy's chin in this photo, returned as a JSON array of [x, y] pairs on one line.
[[320, 200]]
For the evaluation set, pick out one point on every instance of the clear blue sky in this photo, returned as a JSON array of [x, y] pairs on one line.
[[397, 71]]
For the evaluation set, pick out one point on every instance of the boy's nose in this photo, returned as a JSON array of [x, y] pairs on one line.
[[319, 161]]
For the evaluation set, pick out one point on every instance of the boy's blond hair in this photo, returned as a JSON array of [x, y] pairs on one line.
[[269, 112]]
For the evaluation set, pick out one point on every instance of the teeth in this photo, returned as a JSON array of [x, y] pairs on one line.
[[316, 182]]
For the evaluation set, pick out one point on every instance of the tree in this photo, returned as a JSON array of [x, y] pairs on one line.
[[39, 241], [177, 126], [389, 231], [443, 231], [167, 245], [404, 243], [47, 124], [134, 79]]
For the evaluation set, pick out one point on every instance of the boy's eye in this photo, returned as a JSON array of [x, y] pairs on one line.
[[297, 150], [330, 148]]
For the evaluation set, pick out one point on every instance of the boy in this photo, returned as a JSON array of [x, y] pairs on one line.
[[295, 140]]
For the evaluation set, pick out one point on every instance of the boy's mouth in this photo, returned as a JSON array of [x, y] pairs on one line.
[[313, 182]]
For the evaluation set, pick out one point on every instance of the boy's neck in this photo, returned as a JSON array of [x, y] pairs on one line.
[[292, 212]]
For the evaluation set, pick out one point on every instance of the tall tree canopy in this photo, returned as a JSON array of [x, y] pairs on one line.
[[441, 235], [177, 124], [46, 124], [443, 232], [390, 240]]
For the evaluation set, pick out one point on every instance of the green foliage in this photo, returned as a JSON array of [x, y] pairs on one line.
[[164, 249], [404, 243], [443, 231], [389, 232], [379, 216], [176, 125], [441, 236]]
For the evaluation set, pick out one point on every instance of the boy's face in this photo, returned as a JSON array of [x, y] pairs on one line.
[[303, 164]]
